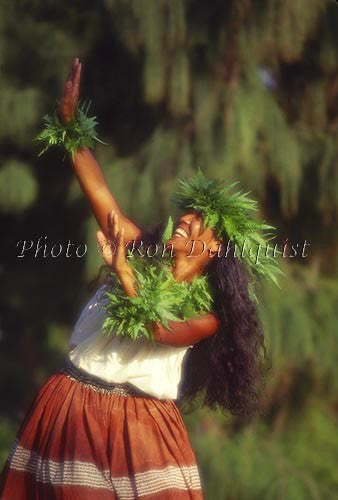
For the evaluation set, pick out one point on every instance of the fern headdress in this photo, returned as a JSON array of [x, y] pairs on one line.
[[229, 214]]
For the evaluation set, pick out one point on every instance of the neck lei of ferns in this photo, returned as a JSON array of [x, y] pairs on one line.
[[160, 299]]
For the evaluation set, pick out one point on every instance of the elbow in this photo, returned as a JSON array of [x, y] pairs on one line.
[[180, 335], [165, 337]]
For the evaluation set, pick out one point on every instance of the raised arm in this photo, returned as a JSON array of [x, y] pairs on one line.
[[87, 169], [93, 184]]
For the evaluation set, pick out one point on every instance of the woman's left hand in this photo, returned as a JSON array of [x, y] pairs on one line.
[[114, 253]]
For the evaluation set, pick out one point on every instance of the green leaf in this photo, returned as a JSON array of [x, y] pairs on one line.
[[168, 231], [160, 299]]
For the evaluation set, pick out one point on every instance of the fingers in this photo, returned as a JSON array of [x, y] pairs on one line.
[[71, 73], [101, 239], [120, 251], [116, 226], [113, 225], [105, 247], [67, 90], [113, 254], [76, 79], [73, 69], [72, 84], [116, 236]]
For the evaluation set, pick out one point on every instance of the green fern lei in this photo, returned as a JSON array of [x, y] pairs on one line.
[[78, 133], [160, 299], [229, 214]]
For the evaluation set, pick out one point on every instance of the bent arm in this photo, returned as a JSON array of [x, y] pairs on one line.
[[93, 184], [181, 333], [188, 332]]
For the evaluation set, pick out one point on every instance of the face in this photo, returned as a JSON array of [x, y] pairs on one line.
[[191, 239]]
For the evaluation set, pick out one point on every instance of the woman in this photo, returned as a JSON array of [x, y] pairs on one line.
[[107, 426]]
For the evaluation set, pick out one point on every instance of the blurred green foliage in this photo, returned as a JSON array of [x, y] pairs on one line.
[[245, 89]]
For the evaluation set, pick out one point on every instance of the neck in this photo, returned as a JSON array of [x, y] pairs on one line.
[[184, 271]]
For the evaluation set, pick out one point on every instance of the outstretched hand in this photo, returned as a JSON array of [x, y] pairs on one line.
[[71, 93]]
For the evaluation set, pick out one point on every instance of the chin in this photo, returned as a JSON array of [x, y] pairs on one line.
[[179, 243]]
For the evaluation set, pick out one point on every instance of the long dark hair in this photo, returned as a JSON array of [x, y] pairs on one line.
[[228, 369]]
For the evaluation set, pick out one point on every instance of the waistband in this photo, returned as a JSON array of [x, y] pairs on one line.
[[96, 384]]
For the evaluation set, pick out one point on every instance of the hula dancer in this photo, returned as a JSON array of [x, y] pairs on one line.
[[107, 425]]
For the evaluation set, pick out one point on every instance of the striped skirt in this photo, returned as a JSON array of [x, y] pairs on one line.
[[82, 440]]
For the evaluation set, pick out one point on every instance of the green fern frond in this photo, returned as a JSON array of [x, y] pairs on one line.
[[160, 299]]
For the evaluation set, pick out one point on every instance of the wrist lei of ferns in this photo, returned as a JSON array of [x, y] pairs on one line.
[[78, 133], [160, 299], [230, 216]]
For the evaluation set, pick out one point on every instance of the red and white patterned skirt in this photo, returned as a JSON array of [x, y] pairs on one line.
[[83, 440]]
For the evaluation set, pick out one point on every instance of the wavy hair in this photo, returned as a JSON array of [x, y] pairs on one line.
[[228, 369]]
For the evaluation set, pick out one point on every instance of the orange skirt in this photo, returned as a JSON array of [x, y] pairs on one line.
[[78, 442]]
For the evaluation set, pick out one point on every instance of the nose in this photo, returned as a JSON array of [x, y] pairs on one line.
[[187, 218]]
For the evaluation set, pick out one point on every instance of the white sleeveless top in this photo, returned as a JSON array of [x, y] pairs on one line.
[[153, 368]]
